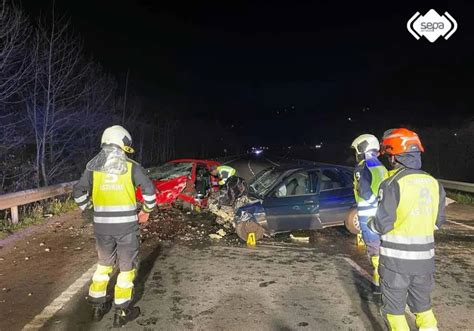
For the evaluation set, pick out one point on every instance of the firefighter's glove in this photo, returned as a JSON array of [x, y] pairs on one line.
[[143, 217]]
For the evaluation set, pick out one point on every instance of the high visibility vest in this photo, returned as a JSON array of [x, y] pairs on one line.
[[224, 173], [409, 247], [379, 174], [113, 197]]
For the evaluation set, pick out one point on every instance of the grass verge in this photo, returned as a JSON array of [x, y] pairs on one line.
[[35, 214], [461, 197]]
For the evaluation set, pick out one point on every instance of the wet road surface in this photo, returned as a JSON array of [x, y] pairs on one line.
[[279, 285]]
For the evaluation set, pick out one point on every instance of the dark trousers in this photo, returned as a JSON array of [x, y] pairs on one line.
[[118, 249], [398, 290]]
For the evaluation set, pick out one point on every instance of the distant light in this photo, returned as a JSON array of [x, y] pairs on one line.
[[257, 151], [349, 119], [318, 146], [455, 134]]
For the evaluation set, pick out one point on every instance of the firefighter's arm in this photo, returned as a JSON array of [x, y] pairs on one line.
[[364, 179], [441, 218], [141, 179], [389, 198], [82, 190]]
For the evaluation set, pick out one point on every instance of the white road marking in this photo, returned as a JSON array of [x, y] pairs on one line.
[[40, 320], [274, 163], [463, 225], [250, 168], [366, 275]]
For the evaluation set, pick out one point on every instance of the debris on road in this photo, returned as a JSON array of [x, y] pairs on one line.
[[221, 233], [215, 236], [299, 238]]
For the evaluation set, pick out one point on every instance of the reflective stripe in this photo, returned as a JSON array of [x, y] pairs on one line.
[[121, 301], [408, 240], [407, 255], [147, 197], [97, 295], [366, 203], [113, 220], [124, 284], [82, 198], [363, 203], [367, 212], [115, 208], [100, 277]]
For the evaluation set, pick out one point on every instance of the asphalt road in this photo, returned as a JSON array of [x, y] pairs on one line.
[[279, 285]]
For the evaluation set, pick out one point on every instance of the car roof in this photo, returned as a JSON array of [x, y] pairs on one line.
[[209, 162]]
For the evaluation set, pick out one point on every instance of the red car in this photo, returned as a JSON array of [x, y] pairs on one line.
[[187, 182]]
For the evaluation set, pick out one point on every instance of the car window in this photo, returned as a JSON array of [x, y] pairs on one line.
[[298, 183], [263, 181], [332, 179], [170, 170]]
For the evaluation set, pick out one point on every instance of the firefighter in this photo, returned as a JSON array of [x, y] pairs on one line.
[[368, 175], [223, 173], [108, 186], [411, 208]]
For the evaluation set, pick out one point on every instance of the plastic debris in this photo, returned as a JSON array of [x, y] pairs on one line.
[[300, 239]]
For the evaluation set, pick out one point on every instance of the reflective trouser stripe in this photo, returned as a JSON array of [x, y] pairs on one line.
[[397, 322], [426, 321], [407, 255], [397, 239], [100, 280], [115, 219], [124, 287]]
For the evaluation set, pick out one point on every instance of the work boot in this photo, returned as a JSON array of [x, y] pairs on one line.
[[99, 310], [375, 275], [123, 316]]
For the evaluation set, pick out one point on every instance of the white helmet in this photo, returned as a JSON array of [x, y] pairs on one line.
[[118, 136], [366, 143]]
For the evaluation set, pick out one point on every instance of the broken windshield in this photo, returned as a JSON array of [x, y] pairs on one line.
[[170, 170], [264, 181]]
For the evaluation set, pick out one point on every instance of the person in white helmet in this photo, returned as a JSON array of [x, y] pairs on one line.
[[368, 175], [108, 186]]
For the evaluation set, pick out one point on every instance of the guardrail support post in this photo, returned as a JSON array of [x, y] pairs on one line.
[[14, 211]]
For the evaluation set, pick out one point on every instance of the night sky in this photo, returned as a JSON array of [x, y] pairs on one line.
[[284, 71]]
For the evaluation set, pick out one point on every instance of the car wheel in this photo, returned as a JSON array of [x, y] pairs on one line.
[[244, 228], [352, 222]]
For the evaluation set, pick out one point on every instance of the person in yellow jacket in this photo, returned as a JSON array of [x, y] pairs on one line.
[[223, 173], [108, 186], [411, 208], [368, 174]]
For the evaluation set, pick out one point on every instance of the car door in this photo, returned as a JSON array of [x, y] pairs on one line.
[[336, 196], [293, 203]]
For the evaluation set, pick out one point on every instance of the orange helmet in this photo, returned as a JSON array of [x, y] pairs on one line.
[[399, 141]]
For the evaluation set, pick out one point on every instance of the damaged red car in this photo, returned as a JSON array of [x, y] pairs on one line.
[[183, 182]]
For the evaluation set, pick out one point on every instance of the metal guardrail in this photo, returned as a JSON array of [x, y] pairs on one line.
[[458, 186], [13, 200]]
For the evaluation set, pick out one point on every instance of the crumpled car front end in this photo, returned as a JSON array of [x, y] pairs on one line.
[[251, 218]]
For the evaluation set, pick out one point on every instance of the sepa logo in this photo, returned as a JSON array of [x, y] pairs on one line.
[[432, 25]]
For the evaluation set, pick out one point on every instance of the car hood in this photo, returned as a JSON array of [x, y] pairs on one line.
[[168, 190]]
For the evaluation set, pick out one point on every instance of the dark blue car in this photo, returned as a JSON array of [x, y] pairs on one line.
[[298, 197]]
